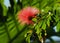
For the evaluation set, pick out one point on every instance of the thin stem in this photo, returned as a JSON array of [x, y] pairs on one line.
[[42, 40]]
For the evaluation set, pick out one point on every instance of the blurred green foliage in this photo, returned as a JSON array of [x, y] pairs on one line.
[[12, 32]]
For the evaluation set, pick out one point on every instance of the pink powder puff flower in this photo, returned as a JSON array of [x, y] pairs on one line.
[[26, 14]]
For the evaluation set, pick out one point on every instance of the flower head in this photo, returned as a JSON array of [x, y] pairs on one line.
[[26, 14]]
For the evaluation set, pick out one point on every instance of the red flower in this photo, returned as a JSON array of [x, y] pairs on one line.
[[26, 14]]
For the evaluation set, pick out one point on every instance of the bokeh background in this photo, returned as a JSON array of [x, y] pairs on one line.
[[10, 29]]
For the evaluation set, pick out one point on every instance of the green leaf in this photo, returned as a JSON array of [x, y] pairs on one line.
[[48, 20], [47, 9], [56, 18], [1, 1], [28, 38], [34, 19], [58, 26], [43, 25], [4, 10], [39, 24]]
